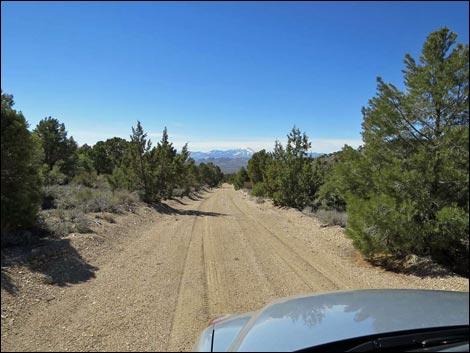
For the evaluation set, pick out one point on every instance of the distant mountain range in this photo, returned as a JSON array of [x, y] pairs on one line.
[[316, 154], [230, 161], [227, 165], [236, 153]]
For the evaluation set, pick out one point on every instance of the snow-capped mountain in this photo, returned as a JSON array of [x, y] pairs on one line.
[[230, 161], [235, 153]]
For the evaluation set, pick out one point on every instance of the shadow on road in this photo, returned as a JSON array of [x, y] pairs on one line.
[[7, 283], [64, 265], [195, 197], [179, 201], [57, 259], [166, 209], [422, 269]]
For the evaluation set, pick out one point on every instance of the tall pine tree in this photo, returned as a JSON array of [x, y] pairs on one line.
[[20, 161], [416, 155]]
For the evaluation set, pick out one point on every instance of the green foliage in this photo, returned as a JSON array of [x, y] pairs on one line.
[[85, 171], [156, 172], [257, 166], [257, 173], [447, 244], [108, 155], [292, 178], [165, 166], [20, 161], [120, 179], [258, 189], [53, 176], [229, 178], [183, 166], [140, 163], [240, 179], [342, 175], [59, 150], [193, 175], [210, 174], [407, 191]]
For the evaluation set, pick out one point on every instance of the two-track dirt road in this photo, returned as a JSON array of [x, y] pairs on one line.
[[222, 254]]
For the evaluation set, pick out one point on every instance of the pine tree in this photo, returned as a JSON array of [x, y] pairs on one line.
[[291, 179], [165, 166], [415, 196], [139, 149], [59, 150], [257, 167], [183, 170], [20, 161]]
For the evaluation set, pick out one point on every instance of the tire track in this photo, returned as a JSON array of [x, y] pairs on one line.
[[308, 273], [305, 284], [234, 265], [215, 271], [192, 296], [280, 283]]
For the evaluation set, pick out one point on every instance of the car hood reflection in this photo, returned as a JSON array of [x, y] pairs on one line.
[[301, 322]]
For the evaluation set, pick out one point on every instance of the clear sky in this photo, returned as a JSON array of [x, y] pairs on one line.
[[219, 75]]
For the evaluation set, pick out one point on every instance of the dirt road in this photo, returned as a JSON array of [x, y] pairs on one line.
[[222, 254]]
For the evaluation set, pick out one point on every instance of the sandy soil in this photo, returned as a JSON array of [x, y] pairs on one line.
[[152, 281]]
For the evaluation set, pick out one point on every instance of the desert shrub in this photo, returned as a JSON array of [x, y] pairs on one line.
[[259, 199], [85, 199], [102, 182], [258, 189], [59, 228], [59, 196], [80, 223], [123, 199], [180, 192], [106, 217], [450, 244], [332, 217], [86, 178], [61, 222], [53, 176]]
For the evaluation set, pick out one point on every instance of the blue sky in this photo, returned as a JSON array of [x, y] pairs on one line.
[[219, 75]]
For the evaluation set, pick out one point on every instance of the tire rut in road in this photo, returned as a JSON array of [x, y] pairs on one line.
[[191, 309], [215, 271], [280, 277], [313, 278], [234, 264], [309, 243]]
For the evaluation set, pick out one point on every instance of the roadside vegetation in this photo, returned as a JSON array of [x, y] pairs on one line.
[[49, 183], [405, 191]]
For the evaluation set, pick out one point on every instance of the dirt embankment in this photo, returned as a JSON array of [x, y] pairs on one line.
[[152, 280]]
